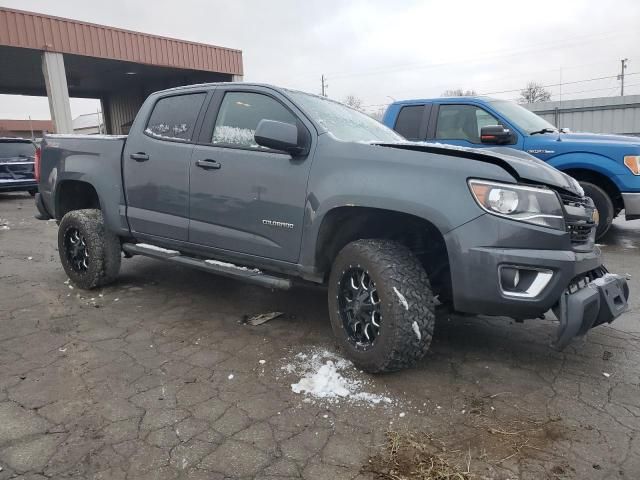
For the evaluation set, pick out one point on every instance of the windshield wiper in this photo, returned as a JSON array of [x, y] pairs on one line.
[[544, 130]]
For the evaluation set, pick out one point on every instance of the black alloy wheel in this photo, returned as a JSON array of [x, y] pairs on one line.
[[75, 248], [359, 306]]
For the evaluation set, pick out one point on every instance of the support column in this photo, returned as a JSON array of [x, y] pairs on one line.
[[237, 78], [55, 79]]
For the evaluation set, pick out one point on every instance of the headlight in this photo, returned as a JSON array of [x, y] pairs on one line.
[[539, 206], [632, 162]]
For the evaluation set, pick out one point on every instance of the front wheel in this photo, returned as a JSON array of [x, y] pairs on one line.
[[89, 253], [381, 305], [603, 204]]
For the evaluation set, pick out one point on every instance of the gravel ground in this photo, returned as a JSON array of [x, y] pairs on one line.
[[158, 376]]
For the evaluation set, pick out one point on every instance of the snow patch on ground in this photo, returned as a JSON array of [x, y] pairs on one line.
[[156, 248], [329, 377], [231, 265], [416, 330], [403, 300]]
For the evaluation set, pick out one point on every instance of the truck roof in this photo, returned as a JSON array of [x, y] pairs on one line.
[[420, 101], [214, 84]]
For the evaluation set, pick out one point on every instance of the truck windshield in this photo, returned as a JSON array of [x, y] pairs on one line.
[[17, 149], [521, 117], [345, 123]]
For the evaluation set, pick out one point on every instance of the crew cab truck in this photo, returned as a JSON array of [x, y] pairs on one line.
[[271, 185], [607, 166]]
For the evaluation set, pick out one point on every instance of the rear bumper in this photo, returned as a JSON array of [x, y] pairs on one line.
[[43, 214], [17, 185], [631, 205]]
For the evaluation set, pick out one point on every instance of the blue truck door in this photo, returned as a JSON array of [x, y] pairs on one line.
[[460, 124], [155, 167], [245, 198]]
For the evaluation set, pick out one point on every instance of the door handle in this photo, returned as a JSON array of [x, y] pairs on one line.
[[139, 157], [209, 164]]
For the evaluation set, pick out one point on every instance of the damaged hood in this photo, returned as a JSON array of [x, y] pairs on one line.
[[524, 167]]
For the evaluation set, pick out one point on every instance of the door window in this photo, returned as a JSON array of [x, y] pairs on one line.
[[408, 123], [462, 122], [240, 113], [174, 118]]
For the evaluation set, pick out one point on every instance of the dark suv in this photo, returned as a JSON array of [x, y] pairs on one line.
[[17, 159]]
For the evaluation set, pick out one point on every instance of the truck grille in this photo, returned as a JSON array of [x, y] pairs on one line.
[[579, 219]]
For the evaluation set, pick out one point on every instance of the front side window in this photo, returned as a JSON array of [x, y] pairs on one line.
[[174, 118], [462, 122], [239, 115]]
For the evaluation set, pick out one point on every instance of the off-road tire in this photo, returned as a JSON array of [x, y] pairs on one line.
[[103, 248], [603, 204], [397, 273]]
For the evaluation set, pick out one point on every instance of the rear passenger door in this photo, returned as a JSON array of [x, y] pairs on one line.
[[412, 122], [156, 166]]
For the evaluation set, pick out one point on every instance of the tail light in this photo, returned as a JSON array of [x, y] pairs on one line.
[[36, 166]]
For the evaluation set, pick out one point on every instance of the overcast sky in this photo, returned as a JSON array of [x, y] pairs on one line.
[[378, 50]]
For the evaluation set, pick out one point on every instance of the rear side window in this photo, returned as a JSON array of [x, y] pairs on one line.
[[408, 122], [240, 114], [174, 118], [17, 150]]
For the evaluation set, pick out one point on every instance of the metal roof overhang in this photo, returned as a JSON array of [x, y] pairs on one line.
[[99, 59]]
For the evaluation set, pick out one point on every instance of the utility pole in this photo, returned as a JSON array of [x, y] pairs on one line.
[[324, 86], [623, 66]]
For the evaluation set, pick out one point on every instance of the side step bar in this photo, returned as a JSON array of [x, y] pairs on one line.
[[212, 266]]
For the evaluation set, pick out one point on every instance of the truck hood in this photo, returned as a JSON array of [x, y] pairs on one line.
[[583, 139], [522, 166]]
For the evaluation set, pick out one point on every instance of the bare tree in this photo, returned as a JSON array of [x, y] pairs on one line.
[[459, 92], [378, 114], [534, 92], [353, 102]]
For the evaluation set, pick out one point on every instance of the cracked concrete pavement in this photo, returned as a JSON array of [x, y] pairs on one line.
[[134, 380]]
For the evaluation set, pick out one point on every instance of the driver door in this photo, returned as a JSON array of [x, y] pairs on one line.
[[246, 198]]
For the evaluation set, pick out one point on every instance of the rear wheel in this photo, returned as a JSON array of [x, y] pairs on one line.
[[89, 253], [381, 305], [604, 205], [33, 192]]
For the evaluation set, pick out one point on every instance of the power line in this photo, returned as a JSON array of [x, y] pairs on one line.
[[558, 84], [545, 86], [531, 48]]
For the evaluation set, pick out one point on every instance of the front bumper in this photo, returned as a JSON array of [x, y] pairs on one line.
[[475, 266], [631, 205], [587, 305]]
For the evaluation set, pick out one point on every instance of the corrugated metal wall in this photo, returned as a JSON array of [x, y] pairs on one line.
[[120, 110], [619, 115], [44, 32]]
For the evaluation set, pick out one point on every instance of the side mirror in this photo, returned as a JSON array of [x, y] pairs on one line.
[[278, 136], [496, 135]]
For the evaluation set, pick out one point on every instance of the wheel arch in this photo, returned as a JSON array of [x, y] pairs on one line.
[[602, 181], [75, 195], [345, 224]]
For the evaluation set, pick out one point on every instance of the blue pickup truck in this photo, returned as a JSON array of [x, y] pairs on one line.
[[607, 166]]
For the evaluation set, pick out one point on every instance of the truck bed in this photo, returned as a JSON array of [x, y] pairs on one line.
[[95, 159]]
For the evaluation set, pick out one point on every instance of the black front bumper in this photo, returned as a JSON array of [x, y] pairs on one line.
[[585, 305]]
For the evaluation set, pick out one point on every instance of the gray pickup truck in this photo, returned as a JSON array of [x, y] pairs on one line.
[[269, 185]]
